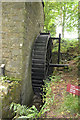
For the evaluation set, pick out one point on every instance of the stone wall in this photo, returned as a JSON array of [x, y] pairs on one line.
[[21, 23], [0, 35], [12, 37], [33, 25], [0, 52]]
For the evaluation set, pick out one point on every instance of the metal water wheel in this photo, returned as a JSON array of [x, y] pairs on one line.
[[42, 60]]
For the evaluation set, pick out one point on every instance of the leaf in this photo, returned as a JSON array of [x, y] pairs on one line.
[[45, 110], [15, 107], [31, 115], [12, 104], [62, 112], [61, 14], [34, 109], [22, 117]]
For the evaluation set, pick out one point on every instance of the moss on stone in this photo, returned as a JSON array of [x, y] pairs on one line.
[[10, 93]]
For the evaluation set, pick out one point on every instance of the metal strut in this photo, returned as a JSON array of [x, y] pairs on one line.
[[52, 38], [58, 65], [59, 48]]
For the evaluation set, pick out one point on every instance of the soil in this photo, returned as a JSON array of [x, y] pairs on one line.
[[59, 89]]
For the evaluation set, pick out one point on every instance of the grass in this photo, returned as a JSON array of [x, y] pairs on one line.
[[22, 111], [71, 105]]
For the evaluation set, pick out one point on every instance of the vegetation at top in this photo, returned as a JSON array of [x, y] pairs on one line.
[[64, 14]]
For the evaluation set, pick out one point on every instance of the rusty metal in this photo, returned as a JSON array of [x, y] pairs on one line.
[[3, 69]]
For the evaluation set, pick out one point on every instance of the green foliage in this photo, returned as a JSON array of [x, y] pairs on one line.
[[27, 112], [64, 14], [66, 44], [24, 112], [71, 104], [49, 97], [49, 23], [55, 78], [5, 78]]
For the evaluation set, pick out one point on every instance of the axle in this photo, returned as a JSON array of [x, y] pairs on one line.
[[58, 65]]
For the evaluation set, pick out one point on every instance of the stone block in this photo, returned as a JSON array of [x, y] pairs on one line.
[[16, 52]]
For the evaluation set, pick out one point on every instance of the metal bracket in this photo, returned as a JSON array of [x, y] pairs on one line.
[[3, 69], [59, 45]]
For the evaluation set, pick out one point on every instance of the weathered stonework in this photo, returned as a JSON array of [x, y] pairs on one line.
[[33, 25], [12, 37], [10, 93], [21, 23], [0, 35], [0, 52]]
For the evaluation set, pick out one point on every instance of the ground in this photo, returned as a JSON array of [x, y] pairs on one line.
[[59, 90]]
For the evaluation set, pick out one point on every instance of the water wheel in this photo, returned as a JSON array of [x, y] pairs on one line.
[[41, 57]]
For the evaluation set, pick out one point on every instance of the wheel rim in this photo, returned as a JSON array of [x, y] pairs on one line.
[[41, 55]]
